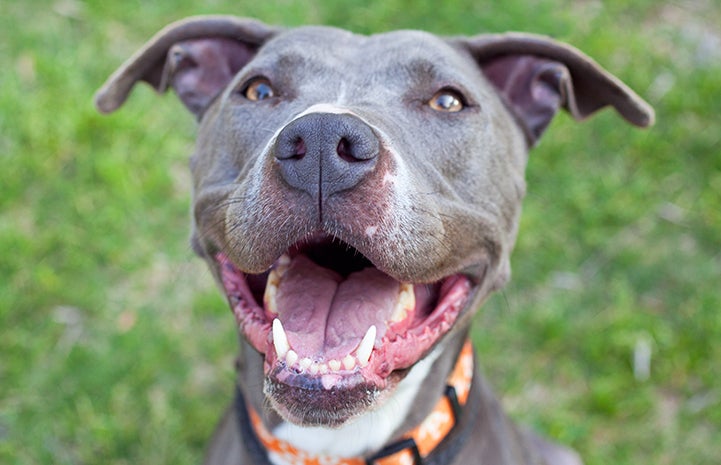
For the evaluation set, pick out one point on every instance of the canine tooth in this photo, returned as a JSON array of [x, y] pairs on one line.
[[283, 262], [334, 365], [291, 357], [349, 362], [305, 363], [365, 348], [271, 285], [271, 290], [280, 340], [323, 369], [406, 302]]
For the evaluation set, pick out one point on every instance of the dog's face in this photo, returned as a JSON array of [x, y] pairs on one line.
[[335, 194], [358, 196]]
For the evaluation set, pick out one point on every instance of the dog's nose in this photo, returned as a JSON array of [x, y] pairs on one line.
[[326, 153]]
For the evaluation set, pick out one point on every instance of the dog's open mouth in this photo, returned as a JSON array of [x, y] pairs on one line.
[[324, 316]]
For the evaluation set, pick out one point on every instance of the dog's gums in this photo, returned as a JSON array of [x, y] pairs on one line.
[[338, 329]]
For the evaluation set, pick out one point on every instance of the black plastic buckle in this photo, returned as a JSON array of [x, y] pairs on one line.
[[393, 449], [452, 397]]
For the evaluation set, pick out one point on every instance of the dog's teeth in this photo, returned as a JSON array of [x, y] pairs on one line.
[[291, 357], [271, 286], [365, 348], [323, 369], [305, 363], [283, 262], [271, 290], [269, 300], [314, 368], [349, 362], [280, 340], [406, 303], [334, 365]]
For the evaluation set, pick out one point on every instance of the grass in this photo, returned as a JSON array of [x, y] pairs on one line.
[[117, 349]]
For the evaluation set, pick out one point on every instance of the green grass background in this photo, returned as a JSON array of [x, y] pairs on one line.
[[115, 348]]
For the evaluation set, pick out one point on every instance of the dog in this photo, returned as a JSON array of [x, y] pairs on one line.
[[357, 199]]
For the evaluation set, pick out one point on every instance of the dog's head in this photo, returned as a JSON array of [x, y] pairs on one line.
[[358, 196]]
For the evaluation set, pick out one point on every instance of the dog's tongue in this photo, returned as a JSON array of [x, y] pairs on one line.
[[325, 315]]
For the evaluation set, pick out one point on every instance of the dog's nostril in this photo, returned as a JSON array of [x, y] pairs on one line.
[[299, 148], [353, 151], [344, 150]]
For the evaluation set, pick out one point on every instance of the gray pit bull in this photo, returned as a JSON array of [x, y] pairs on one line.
[[357, 199]]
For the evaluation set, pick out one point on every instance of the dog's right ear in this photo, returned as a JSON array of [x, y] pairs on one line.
[[197, 57], [536, 76]]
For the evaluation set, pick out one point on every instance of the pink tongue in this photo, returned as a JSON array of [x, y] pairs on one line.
[[326, 316]]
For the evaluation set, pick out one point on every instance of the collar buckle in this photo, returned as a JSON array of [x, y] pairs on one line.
[[452, 397], [395, 448]]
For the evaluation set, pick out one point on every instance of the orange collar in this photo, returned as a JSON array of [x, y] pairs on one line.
[[417, 443]]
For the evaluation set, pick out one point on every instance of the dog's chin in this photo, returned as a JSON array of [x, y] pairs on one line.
[[337, 334], [307, 403]]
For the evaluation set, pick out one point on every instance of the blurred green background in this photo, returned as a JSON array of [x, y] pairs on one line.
[[115, 348]]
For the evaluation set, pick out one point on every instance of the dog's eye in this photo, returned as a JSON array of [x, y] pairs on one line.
[[258, 89], [447, 100]]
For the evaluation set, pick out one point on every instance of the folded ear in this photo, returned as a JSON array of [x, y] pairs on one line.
[[197, 57], [537, 75]]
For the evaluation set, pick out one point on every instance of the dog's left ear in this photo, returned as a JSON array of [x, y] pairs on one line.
[[197, 57], [536, 76]]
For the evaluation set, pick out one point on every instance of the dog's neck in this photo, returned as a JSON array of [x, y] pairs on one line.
[[371, 432]]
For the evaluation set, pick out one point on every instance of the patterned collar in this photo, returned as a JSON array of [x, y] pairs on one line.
[[412, 449]]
